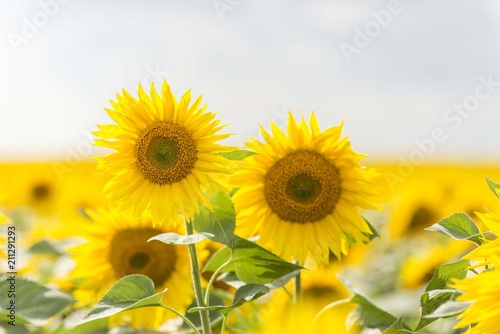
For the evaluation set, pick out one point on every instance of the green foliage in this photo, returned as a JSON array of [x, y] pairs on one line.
[[220, 221], [374, 233], [458, 226], [446, 272], [34, 303], [237, 154], [218, 259], [172, 238], [214, 316], [243, 295], [449, 309], [130, 292], [254, 264], [437, 291], [493, 186], [367, 313], [46, 247]]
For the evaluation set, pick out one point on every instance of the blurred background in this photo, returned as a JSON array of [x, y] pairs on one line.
[[395, 70], [416, 82]]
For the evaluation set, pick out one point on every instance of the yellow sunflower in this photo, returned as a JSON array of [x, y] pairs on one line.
[[320, 287], [117, 247], [483, 292], [165, 153], [490, 247], [301, 193]]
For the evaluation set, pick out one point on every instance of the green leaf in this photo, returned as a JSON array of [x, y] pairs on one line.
[[99, 326], [431, 300], [130, 292], [254, 264], [237, 154], [493, 186], [367, 313], [214, 316], [46, 247], [172, 238], [449, 309], [218, 259], [374, 233], [220, 221], [399, 327], [243, 295], [445, 273], [458, 226], [34, 303]]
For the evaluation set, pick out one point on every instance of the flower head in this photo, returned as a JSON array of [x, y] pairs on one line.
[[301, 192], [165, 154]]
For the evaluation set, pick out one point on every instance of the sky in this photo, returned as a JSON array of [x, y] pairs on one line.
[[413, 80]]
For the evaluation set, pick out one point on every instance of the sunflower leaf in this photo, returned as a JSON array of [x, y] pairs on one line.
[[449, 309], [218, 259], [172, 238], [46, 247], [130, 292], [32, 303], [237, 154], [254, 264], [446, 272], [493, 186], [244, 294], [367, 314], [431, 301], [458, 226], [220, 221], [374, 233]]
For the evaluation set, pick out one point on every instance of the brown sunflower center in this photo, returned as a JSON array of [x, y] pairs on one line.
[[41, 192], [166, 153], [302, 187], [130, 253]]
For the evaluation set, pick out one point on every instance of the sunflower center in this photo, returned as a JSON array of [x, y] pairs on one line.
[[130, 253], [139, 260], [302, 187], [41, 192], [166, 153]]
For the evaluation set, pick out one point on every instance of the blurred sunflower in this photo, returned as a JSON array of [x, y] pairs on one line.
[[484, 295], [301, 193], [431, 194], [419, 269], [34, 185], [166, 154], [320, 287], [118, 247]]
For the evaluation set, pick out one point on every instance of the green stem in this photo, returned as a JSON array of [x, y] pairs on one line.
[[195, 273], [297, 291], [223, 328], [186, 320], [212, 280]]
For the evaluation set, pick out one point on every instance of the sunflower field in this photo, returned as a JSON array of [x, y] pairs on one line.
[[173, 231]]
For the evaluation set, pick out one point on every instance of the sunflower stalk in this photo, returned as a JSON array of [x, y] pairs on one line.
[[196, 276]]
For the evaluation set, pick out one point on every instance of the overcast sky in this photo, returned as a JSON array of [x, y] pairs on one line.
[[405, 75]]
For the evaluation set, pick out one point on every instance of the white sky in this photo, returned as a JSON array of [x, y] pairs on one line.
[[253, 62]]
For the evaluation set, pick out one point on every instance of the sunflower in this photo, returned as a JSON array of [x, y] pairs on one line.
[[301, 193], [33, 185], [490, 247], [116, 247], [484, 295], [320, 287], [165, 154]]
